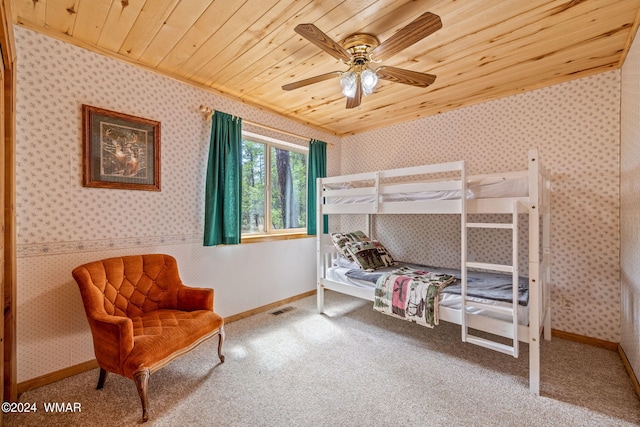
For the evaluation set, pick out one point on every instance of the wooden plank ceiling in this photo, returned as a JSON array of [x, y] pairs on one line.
[[247, 49]]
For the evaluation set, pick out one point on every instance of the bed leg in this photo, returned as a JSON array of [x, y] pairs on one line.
[[534, 366], [547, 325], [320, 298]]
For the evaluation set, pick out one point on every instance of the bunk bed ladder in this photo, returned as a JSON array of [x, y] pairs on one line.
[[471, 304]]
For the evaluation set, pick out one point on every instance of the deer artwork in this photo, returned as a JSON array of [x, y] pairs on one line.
[[120, 157], [133, 166], [126, 153]]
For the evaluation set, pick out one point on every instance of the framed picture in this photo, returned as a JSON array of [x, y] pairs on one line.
[[120, 151]]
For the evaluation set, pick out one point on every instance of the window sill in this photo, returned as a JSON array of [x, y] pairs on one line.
[[273, 237]]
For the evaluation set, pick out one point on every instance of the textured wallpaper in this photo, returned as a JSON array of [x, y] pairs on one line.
[[575, 127], [630, 208]]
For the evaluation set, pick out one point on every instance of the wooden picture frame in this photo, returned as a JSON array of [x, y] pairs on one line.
[[120, 151]]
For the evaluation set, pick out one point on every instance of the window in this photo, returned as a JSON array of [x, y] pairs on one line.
[[274, 186]]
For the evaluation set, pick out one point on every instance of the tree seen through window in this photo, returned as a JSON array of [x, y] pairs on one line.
[[281, 193]]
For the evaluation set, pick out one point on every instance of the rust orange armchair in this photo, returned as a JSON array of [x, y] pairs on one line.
[[142, 317]]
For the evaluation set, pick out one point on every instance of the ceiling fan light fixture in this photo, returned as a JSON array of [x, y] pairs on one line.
[[348, 83], [360, 49], [369, 81]]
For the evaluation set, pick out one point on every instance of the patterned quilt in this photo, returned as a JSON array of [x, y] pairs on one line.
[[411, 294]]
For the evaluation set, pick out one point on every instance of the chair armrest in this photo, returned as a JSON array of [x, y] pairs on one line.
[[112, 340], [190, 299]]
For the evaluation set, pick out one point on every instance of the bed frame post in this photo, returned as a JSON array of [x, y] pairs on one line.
[[368, 217], [546, 252], [515, 275], [534, 273], [463, 250], [320, 267]]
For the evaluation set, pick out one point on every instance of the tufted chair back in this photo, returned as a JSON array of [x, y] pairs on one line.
[[130, 286]]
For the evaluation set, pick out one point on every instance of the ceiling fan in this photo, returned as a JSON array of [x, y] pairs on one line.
[[359, 50]]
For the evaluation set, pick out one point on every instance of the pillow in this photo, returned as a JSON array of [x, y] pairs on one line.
[[386, 257], [366, 255], [338, 186], [349, 185], [345, 263], [341, 239]]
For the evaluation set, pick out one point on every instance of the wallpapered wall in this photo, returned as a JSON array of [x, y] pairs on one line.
[[62, 224], [630, 208], [575, 127]]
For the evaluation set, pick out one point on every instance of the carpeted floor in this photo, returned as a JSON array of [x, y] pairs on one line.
[[352, 367]]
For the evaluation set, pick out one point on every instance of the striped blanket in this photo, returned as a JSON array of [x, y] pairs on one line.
[[411, 294]]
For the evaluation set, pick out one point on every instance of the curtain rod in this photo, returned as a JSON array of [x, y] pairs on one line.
[[208, 112]]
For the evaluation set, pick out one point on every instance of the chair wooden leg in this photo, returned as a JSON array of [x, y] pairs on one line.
[[101, 379], [220, 341], [141, 379]]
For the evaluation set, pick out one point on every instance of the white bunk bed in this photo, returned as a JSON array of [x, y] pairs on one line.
[[406, 191]]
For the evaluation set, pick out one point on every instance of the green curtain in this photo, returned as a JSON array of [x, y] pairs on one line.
[[223, 190], [317, 169]]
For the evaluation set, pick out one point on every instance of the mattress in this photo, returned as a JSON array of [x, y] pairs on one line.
[[485, 187], [449, 297]]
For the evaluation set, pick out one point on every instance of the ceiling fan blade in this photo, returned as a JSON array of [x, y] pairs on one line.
[[311, 80], [426, 24], [407, 77], [357, 98], [320, 39]]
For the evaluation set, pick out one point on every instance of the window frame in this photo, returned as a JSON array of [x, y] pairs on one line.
[[269, 233]]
